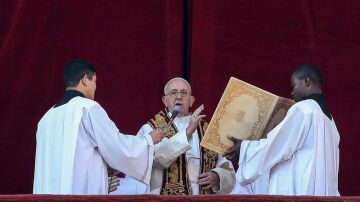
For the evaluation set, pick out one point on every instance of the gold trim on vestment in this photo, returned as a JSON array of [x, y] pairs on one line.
[[175, 178]]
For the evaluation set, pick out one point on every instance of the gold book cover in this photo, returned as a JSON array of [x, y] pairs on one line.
[[245, 112]]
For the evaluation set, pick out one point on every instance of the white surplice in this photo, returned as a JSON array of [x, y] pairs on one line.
[[301, 154], [259, 186], [75, 143], [167, 151]]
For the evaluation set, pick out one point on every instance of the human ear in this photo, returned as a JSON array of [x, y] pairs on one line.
[[307, 81], [192, 100], [164, 100], [84, 80]]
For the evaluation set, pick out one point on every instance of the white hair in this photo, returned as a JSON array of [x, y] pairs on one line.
[[173, 79]]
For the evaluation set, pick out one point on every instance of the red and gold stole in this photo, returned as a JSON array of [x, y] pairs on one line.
[[175, 178]]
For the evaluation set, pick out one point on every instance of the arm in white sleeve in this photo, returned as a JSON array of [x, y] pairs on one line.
[[258, 157], [132, 155], [226, 173], [169, 149]]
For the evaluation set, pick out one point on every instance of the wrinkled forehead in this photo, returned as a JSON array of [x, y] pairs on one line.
[[177, 84]]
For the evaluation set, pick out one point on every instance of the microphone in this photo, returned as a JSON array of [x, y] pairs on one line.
[[174, 113]]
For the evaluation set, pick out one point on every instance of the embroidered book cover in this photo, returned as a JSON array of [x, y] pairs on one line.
[[244, 112]]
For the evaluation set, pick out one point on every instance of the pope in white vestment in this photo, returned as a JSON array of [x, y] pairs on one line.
[[167, 151], [181, 165], [301, 154]]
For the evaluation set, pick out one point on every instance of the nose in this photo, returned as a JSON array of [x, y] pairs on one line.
[[178, 95]]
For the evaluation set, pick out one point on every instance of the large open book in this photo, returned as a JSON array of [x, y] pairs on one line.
[[244, 112]]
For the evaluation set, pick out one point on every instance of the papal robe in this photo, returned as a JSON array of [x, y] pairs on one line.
[[300, 155], [75, 144], [167, 153]]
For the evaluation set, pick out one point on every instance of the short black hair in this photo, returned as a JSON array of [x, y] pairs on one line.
[[311, 71], [75, 70]]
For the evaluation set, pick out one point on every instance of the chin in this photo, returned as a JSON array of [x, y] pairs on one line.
[[297, 99]]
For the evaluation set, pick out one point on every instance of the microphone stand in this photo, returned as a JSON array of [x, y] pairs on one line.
[[174, 114], [167, 125]]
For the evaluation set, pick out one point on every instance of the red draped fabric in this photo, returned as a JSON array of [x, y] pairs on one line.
[[137, 45]]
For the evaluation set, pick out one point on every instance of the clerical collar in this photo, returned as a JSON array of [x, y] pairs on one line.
[[69, 94], [321, 100]]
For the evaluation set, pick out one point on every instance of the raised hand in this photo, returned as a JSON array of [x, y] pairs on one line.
[[232, 154], [194, 121]]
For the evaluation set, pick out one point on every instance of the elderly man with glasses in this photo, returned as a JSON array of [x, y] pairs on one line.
[[181, 166]]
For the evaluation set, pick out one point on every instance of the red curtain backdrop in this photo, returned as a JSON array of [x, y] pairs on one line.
[[137, 45]]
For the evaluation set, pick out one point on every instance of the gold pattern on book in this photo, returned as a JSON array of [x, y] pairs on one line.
[[243, 112]]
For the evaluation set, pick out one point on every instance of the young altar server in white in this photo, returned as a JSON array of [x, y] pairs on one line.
[[301, 154], [76, 142]]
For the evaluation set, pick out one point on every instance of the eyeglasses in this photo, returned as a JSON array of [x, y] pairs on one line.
[[175, 93]]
